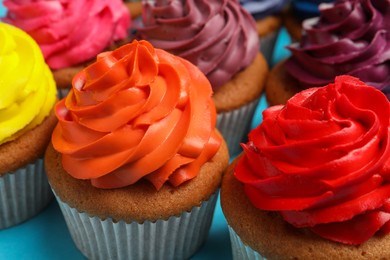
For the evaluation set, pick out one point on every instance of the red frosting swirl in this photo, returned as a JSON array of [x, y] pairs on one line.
[[322, 161], [137, 112]]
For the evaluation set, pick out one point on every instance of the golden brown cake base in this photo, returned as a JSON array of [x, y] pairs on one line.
[[268, 25], [135, 9], [245, 87], [267, 233], [280, 85], [28, 147], [138, 202]]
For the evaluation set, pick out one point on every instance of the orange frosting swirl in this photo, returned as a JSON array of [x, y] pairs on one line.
[[137, 112]]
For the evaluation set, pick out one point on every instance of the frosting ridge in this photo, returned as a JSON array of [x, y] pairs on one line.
[[322, 161], [28, 88], [219, 37], [137, 112], [70, 32], [349, 37]]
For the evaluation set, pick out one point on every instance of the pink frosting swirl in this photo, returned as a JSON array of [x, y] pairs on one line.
[[219, 37], [349, 37], [322, 160], [70, 32]]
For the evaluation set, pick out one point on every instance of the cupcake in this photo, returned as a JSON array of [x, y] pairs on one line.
[[71, 33], [267, 14], [349, 37], [298, 11], [27, 98], [220, 38], [135, 160], [312, 182]]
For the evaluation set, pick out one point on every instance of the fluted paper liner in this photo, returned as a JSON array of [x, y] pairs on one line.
[[235, 125], [23, 194], [267, 45], [241, 251], [175, 238]]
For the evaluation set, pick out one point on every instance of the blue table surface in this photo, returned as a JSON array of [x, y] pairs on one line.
[[46, 235]]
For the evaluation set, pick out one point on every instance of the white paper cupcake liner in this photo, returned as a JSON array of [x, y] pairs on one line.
[[235, 125], [267, 45], [241, 251], [23, 194], [175, 238]]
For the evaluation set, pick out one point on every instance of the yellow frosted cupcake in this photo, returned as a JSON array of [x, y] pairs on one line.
[[28, 94]]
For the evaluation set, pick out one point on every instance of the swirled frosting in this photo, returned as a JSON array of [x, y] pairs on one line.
[[304, 9], [219, 37], [28, 91], [350, 37], [262, 8], [70, 32], [137, 112], [322, 161]]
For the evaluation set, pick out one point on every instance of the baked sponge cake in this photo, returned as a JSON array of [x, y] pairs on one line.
[[312, 182], [136, 152], [27, 98]]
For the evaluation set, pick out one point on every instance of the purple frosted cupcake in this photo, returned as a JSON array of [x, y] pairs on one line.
[[349, 37]]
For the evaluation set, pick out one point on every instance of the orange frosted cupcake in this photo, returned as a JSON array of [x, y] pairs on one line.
[[313, 180], [136, 155], [27, 98], [70, 33]]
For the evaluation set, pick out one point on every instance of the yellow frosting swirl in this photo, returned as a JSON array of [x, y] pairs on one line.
[[28, 90]]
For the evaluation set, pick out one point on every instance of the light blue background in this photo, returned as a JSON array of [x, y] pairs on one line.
[[46, 236]]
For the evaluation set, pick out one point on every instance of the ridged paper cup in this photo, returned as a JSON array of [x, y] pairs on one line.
[[240, 250], [178, 237], [23, 194], [267, 45], [234, 125]]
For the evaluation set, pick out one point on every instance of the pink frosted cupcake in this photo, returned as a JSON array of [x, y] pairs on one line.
[[313, 180], [220, 38], [70, 33]]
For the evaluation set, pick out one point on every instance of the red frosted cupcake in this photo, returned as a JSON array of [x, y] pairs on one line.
[[314, 178]]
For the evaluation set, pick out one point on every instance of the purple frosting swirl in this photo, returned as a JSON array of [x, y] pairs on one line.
[[218, 36], [349, 37], [262, 8]]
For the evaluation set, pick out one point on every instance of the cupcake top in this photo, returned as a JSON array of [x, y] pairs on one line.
[[28, 90], [349, 37], [136, 113], [219, 37], [262, 8], [70, 32], [304, 9], [322, 161]]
